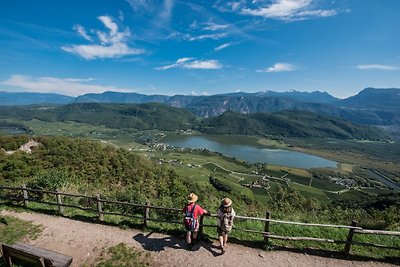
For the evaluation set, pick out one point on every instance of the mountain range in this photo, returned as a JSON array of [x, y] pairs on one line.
[[371, 106], [152, 116]]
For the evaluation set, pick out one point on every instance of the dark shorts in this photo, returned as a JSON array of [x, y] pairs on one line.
[[196, 228], [221, 232]]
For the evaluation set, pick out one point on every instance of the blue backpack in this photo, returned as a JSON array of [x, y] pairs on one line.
[[190, 221]]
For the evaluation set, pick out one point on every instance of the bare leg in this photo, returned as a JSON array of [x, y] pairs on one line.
[[225, 239], [221, 241], [188, 237], [194, 235]]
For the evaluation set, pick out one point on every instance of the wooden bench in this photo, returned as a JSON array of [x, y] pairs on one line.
[[28, 255]]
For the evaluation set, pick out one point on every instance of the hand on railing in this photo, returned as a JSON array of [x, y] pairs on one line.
[[207, 213]]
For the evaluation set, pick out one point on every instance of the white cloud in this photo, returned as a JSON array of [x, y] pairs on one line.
[[100, 51], [317, 13], [376, 67], [215, 36], [235, 5], [210, 26], [112, 44], [184, 59], [110, 24], [66, 86], [166, 12], [160, 11], [287, 10], [191, 63], [82, 32], [223, 46], [205, 30], [138, 5], [203, 64], [279, 67]]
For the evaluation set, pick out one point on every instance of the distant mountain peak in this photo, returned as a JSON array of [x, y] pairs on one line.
[[377, 98]]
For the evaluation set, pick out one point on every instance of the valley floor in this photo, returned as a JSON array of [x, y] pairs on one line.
[[85, 241]]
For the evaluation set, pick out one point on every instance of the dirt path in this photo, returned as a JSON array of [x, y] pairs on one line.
[[84, 241]]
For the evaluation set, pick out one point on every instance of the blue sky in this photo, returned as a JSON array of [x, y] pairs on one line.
[[200, 47]]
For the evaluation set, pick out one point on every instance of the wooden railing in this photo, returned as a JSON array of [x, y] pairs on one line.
[[353, 228]]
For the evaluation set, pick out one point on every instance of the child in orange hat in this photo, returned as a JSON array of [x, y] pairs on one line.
[[192, 212]]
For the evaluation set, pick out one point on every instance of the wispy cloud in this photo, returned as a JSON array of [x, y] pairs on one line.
[[166, 12], [82, 32], [159, 11], [65, 86], [286, 10], [192, 63], [206, 30], [211, 26], [279, 67], [111, 44], [376, 67], [214, 36], [223, 46], [138, 5]]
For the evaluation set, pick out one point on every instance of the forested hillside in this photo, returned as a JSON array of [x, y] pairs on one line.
[[288, 124], [141, 117], [85, 166]]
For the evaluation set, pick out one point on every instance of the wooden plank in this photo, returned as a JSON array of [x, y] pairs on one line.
[[295, 223], [304, 238], [316, 224], [36, 255], [377, 232]]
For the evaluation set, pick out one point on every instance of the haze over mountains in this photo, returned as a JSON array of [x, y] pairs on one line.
[[371, 106]]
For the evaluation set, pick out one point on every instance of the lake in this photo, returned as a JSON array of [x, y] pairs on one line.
[[250, 153]]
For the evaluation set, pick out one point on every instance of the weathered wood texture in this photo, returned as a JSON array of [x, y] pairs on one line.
[[33, 256]]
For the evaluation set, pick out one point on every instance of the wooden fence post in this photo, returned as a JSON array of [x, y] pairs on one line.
[[350, 235], [266, 226], [25, 195], [59, 202], [146, 214], [99, 207]]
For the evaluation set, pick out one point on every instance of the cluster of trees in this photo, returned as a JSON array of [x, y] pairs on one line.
[[86, 166], [219, 185]]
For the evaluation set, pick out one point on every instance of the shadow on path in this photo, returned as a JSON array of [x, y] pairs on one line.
[[159, 244], [213, 249]]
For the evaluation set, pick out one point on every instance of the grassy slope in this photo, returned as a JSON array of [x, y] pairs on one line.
[[13, 230]]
